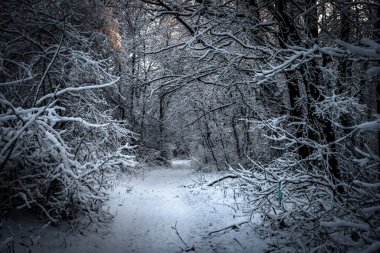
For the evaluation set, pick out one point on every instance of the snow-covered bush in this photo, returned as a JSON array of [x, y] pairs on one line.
[[328, 200], [58, 145], [301, 202]]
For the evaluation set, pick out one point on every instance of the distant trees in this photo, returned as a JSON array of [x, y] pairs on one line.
[[59, 143]]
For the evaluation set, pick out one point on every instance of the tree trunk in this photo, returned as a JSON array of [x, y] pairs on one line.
[[312, 78], [288, 35]]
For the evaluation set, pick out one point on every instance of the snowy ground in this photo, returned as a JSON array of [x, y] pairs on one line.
[[164, 210]]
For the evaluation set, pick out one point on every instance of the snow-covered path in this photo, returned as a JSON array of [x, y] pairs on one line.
[[152, 208], [163, 200], [147, 213]]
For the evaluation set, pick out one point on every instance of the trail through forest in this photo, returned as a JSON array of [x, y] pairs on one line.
[[152, 209], [163, 210]]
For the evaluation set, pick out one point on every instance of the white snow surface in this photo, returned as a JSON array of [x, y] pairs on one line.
[[184, 162], [147, 208]]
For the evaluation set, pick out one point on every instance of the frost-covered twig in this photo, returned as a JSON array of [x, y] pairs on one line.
[[232, 226]]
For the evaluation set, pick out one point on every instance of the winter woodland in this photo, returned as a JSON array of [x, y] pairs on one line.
[[276, 100]]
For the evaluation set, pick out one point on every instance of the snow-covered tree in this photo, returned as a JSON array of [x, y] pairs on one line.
[[59, 143], [277, 67]]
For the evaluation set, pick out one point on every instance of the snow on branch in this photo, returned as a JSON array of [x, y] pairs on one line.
[[20, 81], [370, 125], [75, 89], [53, 153], [343, 223], [372, 51], [297, 193]]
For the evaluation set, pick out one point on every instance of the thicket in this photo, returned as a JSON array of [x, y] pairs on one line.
[[59, 143]]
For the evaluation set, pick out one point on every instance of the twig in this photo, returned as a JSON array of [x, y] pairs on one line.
[[233, 226], [238, 243], [188, 248], [47, 70], [221, 179]]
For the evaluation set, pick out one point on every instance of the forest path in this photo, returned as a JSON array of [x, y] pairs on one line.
[[151, 208]]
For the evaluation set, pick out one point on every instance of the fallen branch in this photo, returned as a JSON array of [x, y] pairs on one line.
[[233, 226], [221, 179]]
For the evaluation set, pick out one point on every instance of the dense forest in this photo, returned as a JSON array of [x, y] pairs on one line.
[[283, 94]]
